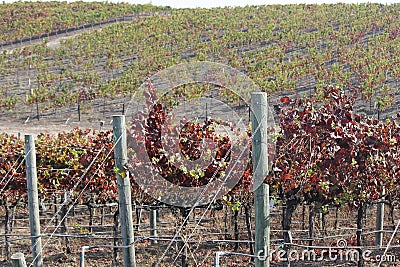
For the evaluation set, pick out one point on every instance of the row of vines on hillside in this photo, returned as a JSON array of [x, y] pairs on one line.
[[299, 48], [26, 19], [341, 159], [335, 146]]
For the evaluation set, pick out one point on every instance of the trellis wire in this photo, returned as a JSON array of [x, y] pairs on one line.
[[390, 241], [69, 195], [12, 167], [226, 178], [73, 189], [12, 175], [275, 241], [192, 208]]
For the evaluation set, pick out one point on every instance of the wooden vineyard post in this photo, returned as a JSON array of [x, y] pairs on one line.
[[380, 221], [247, 211], [7, 231], [380, 211], [63, 218], [37, 109], [259, 107], [33, 201], [18, 260], [124, 190], [153, 225], [79, 108]]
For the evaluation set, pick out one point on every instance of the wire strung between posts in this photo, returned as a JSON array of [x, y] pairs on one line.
[[69, 196], [279, 240], [73, 147], [200, 197], [84, 248], [388, 245], [205, 211], [192, 208], [300, 49], [214, 198], [12, 175], [12, 167]]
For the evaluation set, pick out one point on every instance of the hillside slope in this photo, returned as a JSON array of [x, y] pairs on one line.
[[291, 49]]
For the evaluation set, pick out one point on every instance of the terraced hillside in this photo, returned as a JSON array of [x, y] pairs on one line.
[[295, 49]]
